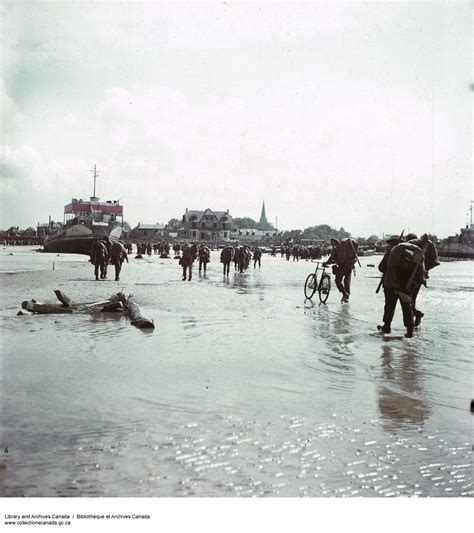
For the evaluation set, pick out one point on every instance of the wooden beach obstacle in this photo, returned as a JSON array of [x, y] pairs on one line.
[[117, 303]]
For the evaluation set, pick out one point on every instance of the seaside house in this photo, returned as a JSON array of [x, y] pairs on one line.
[[14, 236], [29, 236], [147, 232], [250, 235], [207, 225]]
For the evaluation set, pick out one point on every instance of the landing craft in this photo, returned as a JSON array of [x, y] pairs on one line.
[[459, 246], [84, 221]]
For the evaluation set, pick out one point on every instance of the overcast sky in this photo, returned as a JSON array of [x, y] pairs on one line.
[[350, 114]]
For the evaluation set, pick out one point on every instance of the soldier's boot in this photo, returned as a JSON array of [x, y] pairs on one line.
[[418, 316], [385, 328]]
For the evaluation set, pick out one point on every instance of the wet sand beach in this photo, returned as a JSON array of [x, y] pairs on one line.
[[243, 388]]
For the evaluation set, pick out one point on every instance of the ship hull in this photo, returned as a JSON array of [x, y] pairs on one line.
[[78, 239], [461, 251]]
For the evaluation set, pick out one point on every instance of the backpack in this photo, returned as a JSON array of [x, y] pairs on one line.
[[347, 252], [410, 256]]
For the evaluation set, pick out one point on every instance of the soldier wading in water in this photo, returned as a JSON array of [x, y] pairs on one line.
[[430, 256], [402, 267], [257, 257], [344, 257], [187, 259]]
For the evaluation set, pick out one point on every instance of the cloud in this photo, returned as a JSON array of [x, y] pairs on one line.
[[322, 110], [19, 164]]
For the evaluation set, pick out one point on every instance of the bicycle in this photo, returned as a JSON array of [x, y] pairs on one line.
[[311, 284]]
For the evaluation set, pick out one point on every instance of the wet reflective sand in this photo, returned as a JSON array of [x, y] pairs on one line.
[[242, 389]]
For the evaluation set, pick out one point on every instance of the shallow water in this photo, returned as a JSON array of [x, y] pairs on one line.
[[242, 389]]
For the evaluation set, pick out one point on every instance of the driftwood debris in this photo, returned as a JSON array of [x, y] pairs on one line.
[[112, 307], [116, 303], [132, 311], [62, 298], [66, 306], [44, 309]]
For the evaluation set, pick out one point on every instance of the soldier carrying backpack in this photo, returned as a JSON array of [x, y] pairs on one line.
[[430, 261], [403, 269], [344, 257]]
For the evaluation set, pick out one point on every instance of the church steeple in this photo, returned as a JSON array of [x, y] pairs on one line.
[[263, 216]]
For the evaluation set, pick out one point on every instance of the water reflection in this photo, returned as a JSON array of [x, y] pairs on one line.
[[342, 321], [333, 328], [249, 285], [259, 288], [241, 281], [400, 401], [339, 340]]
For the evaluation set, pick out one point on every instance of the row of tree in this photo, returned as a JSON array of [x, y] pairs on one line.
[[250, 223]]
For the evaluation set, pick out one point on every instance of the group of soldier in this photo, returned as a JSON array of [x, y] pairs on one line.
[[147, 248], [241, 256], [405, 268], [301, 251], [188, 253], [103, 252]]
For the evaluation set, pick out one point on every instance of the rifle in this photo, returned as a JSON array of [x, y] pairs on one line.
[[383, 275], [380, 284]]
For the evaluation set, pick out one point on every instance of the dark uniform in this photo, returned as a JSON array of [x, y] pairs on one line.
[[118, 255], [257, 257], [343, 269], [430, 261], [398, 282]]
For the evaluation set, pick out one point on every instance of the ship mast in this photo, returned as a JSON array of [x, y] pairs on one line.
[[96, 173]]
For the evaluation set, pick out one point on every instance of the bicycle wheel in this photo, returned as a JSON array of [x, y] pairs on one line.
[[324, 288], [310, 286]]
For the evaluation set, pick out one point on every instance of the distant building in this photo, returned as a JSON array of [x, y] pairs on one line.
[[147, 232], [207, 225], [247, 235], [29, 236], [15, 236], [263, 216], [13, 232], [263, 223]]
